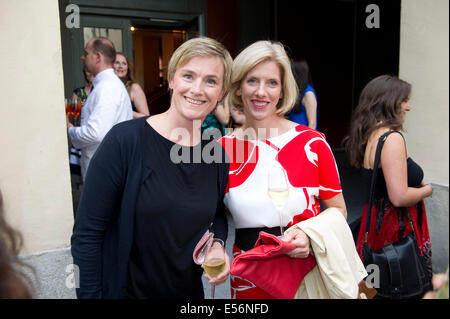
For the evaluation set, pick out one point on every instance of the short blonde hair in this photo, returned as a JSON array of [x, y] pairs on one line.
[[202, 46], [254, 54]]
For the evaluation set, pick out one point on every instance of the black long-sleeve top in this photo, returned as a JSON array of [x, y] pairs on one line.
[[141, 215]]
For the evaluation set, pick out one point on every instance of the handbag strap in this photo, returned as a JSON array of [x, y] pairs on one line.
[[395, 270], [376, 163]]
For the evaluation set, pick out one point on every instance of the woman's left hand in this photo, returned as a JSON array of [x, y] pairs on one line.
[[223, 276], [298, 237]]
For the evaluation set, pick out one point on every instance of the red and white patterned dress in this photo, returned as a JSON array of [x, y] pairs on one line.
[[312, 175]]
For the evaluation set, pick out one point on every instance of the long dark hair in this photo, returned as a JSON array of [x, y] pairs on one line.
[[379, 106], [14, 284], [302, 75]]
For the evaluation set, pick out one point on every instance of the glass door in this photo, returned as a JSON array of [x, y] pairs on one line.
[[115, 29]]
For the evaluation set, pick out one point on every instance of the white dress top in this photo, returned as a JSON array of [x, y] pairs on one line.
[[310, 167]]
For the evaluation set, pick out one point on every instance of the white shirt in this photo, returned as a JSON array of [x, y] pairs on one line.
[[107, 105]]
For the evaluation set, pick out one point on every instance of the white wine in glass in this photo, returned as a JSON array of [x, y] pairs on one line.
[[214, 263], [214, 267], [278, 189], [278, 197]]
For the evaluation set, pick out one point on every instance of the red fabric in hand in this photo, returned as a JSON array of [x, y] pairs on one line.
[[270, 269]]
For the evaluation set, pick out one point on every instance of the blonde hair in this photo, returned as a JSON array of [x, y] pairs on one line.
[[202, 46], [254, 54]]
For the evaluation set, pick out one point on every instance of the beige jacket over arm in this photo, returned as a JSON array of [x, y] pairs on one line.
[[339, 268]]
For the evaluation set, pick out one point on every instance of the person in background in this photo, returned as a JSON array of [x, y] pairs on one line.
[[143, 211], [382, 108], [124, 70], [305, 109], [217, 119], [107, 104], [237, 118], [13, 283], [440, 287], [264, 88], [83, 92]]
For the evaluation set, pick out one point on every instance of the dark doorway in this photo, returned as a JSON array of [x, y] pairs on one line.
[[343, 54], [222, 23], [152, 49]]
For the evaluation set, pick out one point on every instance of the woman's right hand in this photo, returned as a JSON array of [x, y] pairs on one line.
[[298, 237]]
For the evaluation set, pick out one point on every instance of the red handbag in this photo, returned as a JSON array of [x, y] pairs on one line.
[[270, 269]]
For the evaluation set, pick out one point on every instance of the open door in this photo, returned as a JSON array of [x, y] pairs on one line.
[[153, 45], [152, 49]]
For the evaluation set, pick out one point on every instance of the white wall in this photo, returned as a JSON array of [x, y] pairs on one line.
[[34, 169], [424, 62]]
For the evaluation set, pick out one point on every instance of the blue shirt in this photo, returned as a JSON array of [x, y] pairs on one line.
[[300, 117]]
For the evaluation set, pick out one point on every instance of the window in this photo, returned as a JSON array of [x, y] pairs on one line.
[[114, 35]]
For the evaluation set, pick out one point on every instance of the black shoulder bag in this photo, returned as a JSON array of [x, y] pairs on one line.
[[401, 267]]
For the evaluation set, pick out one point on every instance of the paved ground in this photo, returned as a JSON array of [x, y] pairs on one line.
[[50, 274]]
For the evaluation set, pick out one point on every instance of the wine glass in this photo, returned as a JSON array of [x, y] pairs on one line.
[[214, 263], [74, 105], [78, 105], [68, 103], [278, 189]]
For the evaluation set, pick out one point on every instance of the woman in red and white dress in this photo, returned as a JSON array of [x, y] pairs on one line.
[[263, 87]]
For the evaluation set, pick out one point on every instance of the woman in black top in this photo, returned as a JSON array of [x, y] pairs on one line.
[[151, 190], [382, 108]]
